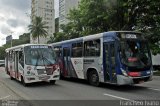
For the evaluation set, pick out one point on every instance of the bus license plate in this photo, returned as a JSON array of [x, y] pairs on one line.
[[141, 82], [44, 78]]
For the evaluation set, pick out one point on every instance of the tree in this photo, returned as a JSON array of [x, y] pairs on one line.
[[23, 39], [144, 16], [38, 28], [95, 16], [90, 17]]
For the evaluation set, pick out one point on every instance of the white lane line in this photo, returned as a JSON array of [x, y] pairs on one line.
[[115, 96], [154, 89], [5, 97]]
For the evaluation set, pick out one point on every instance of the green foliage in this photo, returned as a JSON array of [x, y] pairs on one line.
[[2, 52], [38, 28], [23, 39], [89, 18], [94, 16], [144, 16]]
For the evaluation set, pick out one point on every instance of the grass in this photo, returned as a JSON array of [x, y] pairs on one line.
[[157, 73]]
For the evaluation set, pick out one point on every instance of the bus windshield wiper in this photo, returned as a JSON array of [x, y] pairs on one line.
[[46, 59], [37, 59]]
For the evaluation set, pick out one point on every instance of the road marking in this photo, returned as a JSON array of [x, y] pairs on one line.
[[115, 96], [5, 97], [154, 89]]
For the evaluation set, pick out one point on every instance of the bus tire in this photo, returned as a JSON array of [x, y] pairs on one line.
[[53, 81], [10, 76], [23, 82], [61, 76], [93, 78]]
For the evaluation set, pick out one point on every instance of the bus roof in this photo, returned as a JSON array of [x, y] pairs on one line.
[[94, 36], [66, 41], [22, 46]]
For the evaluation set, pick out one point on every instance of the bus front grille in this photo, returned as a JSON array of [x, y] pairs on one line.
[[41, 71], [47, 71]]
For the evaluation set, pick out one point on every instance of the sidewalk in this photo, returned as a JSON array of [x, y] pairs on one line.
[[6, 93], [8, 97]]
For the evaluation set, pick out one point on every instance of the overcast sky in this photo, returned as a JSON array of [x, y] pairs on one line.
[[14, 17]]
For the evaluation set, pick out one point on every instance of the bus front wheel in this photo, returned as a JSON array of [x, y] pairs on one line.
[[23, 82], [93, 78], [10, 76], [53, 81]]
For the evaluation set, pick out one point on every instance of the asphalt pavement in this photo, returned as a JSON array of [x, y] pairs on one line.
[[9, 97], [80, 93]]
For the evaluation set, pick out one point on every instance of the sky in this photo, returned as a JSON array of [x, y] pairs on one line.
[[15, 17]]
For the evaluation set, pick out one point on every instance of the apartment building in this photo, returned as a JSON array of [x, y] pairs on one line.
[[44, 9], [64, 8]]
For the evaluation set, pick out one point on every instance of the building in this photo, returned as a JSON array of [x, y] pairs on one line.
[[8, 39], [64, 8], [44, 9]]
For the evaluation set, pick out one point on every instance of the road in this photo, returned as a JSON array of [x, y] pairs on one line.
[[73, 89]]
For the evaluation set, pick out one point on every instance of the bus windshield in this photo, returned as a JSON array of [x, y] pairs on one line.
[[39, 55], [135, 53]]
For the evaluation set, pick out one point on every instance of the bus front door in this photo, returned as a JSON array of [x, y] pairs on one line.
[[16, 64], [68, 70], [66, 55], [109, 62]]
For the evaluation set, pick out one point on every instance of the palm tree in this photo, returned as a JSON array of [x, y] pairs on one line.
[[38, 28]]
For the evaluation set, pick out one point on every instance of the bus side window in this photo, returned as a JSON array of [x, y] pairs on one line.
[[92, 48], [21, 58], [58, 51], [112, 48], [11, 56], [77, 49]]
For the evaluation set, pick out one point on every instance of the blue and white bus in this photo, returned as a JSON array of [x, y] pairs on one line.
[[117, 57]]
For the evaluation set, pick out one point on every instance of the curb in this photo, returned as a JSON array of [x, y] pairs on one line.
[[22, 102]]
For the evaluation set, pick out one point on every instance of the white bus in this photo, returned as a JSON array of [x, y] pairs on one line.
[[117, 57], [156, 62], [30, 63]]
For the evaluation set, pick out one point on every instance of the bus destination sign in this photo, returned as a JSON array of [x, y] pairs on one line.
[[131, 36], [38, 46]]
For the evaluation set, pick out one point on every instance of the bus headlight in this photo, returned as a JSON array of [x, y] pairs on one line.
[[124, 72], [151, 71], [28, 72]]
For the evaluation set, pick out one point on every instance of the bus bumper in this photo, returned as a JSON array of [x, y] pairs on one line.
[[126, 80], [40, 78]]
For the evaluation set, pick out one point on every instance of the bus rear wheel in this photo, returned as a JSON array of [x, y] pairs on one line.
[[93, 78]]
